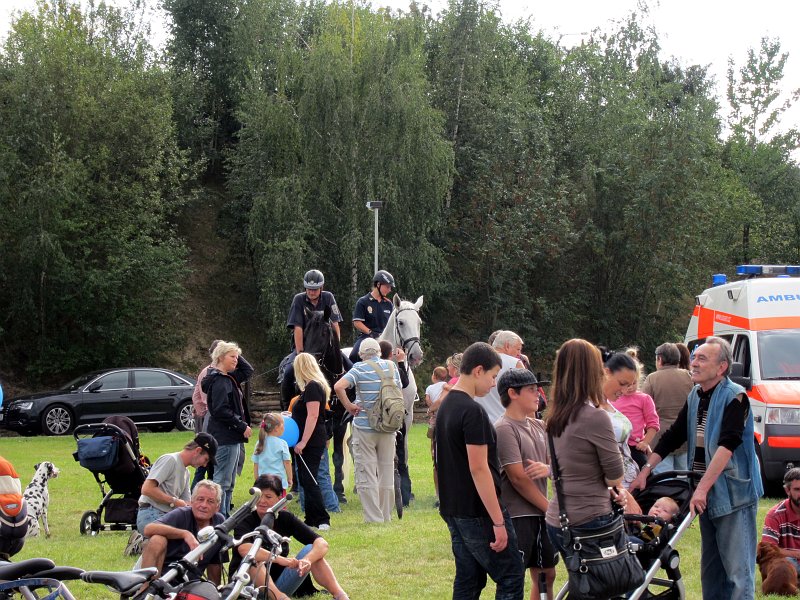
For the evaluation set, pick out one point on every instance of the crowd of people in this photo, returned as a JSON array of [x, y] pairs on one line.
[[494, 438]]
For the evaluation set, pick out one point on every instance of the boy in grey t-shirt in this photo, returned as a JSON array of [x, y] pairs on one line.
[[523, 457]]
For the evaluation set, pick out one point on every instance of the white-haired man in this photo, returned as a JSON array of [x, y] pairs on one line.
[[509, 346], [373, 451], [175, 534]]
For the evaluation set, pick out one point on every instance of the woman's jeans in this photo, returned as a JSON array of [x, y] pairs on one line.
[[225, 473], [596, 523], [470, 537], [307, 468], [289, 580]]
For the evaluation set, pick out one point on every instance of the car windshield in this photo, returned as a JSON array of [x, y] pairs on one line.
[[79, 382], [780, 354]]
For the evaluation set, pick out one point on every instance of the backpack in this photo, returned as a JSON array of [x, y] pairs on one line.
[[389, 410]]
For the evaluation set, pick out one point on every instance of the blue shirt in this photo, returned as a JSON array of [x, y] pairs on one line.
[[374, 313], [368, 384], [270, 461]]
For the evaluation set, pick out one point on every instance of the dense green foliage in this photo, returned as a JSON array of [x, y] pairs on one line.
[[90, 268], [587, 191]]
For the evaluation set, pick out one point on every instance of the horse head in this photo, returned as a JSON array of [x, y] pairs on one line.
[[319, 340], [403, 328]]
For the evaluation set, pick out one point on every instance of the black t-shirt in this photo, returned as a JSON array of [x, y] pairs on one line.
[[286, 524], [461, 421], [312, 393], [183, 518]]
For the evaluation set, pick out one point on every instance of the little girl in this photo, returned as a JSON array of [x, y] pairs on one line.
[[271, 456]]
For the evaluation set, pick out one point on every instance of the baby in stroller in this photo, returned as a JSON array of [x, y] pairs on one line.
[[663, 512]]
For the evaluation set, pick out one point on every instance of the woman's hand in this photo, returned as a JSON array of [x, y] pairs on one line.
[[303, 567], [643, 446], [299, 447], [619, 495]]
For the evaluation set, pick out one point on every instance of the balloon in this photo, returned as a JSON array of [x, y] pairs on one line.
[[291, 432]]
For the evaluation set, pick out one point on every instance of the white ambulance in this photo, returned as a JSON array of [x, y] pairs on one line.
[[760, 316]]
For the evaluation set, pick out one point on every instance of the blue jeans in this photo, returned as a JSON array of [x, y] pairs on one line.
[[147, 515], [289, 580], [225, 473], [329, 497], [470, 538], [728, 559], [673, 462]]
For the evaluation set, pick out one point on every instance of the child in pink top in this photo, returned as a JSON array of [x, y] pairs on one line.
[[641, 412]]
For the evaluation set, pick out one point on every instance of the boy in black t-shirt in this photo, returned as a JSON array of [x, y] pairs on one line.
[[483, 539]]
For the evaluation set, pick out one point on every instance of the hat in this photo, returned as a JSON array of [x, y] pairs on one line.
[[207, 442], [367, 345], [515, 378]]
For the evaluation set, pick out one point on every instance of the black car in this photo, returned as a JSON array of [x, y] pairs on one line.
[[156, 398]]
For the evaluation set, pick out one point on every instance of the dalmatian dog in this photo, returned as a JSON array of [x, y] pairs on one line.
[[37, 498]]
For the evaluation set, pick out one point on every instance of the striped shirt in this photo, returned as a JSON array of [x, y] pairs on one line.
[[782, 526], [368, 384]]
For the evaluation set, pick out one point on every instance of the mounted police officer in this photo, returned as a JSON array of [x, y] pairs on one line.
[[372, 310], [313, 298]]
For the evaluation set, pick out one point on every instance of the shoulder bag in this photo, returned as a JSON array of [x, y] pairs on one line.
[[599, 562]]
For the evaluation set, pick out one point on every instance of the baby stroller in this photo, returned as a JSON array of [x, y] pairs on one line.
[[110, 450], [660, 552]]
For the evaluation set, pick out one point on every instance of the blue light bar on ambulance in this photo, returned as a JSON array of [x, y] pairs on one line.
[[767, 270]]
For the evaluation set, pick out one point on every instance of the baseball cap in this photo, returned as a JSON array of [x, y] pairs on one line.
[[515, 378], [207, 442], [369, 344]]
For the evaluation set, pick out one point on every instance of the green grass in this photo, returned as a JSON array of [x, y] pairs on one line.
[[408, 558]]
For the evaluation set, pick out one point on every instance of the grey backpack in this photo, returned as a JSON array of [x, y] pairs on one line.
[[389, 410]]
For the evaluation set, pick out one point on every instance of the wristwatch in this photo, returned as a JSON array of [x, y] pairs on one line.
[[647, 465], [174, 501]]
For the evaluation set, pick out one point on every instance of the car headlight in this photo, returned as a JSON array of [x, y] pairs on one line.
[[23, 405], [783, 416]]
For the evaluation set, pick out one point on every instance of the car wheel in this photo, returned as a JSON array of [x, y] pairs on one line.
[[90, 523], [57, 420], [184, 420]]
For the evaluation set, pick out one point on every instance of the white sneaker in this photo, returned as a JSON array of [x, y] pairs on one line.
[[324, 527]]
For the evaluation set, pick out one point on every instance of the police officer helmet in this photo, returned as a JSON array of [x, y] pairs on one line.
[[313, 280], [383, 277]]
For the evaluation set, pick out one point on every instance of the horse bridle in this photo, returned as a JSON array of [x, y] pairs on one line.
[[405, 344]]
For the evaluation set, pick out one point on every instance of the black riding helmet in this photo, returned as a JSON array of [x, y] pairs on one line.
[[383, 277], [313, 280]]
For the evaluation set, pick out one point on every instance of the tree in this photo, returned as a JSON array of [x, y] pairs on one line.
[[91, 267]]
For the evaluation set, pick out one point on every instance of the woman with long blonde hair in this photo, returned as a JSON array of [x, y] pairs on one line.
[[309, 413]]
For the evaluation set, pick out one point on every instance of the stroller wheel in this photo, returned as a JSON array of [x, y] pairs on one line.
[[90, 523]]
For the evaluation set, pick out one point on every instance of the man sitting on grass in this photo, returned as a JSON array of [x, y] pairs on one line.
[[174, 534]]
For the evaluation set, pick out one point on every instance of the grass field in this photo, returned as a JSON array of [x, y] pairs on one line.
[[408, 558]]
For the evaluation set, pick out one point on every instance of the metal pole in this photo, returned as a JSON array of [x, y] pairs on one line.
[[376, 241]]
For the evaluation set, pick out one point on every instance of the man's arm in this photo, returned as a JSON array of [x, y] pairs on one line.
[[170, 533], [699, 501], [340, 387], [298, 338], [151, 490], [478, 458], [214, 573], [335, 327], [361, 327]]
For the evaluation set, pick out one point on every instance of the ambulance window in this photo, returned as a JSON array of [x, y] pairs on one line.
[[779, 354], [741, 353]]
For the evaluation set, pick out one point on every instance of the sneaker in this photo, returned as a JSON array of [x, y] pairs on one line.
[[324, 527], [342, 499]]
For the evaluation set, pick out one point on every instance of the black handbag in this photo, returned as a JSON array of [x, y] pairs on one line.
[[600, 564]]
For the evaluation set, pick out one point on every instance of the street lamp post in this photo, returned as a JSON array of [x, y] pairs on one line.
[[375, 206]]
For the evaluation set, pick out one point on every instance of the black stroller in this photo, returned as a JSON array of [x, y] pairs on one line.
[[110, 450], [660, 552]]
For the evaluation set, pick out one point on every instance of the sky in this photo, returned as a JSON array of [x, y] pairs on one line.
[[704, 32]]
